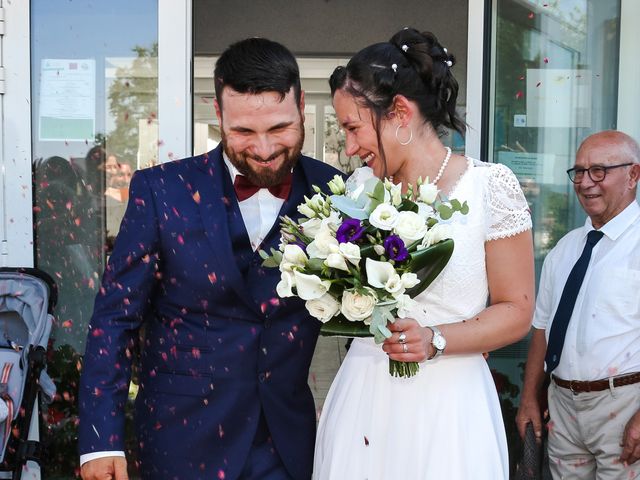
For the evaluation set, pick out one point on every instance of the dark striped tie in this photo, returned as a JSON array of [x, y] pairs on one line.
[[567, 302]]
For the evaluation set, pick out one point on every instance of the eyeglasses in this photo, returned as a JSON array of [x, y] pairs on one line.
[[596, 173]]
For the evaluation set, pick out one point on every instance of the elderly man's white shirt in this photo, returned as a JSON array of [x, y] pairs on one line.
[[603, 337]]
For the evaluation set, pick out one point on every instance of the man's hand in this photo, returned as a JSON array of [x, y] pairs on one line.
[[529, 412], [106, 468], [631, 441]]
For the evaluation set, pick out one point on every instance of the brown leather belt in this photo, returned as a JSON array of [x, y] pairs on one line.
[[579, 386]]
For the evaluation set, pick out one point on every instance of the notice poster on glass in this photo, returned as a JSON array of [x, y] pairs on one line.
[[558, 98], [67, 99]]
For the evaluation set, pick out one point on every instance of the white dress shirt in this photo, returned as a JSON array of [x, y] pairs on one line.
[[603, 336], [259, 213]]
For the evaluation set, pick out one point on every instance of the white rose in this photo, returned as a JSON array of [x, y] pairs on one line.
[[311, 227], [409, 280], [378, 273], [410, 227], [322, 245], [323, 308], [293, 256], [310, 287], [437, 233], [283, 288], [305, 210], [336, 260], [384, 216], [358, 306], [428, 193], [405, 305], [351, 252]]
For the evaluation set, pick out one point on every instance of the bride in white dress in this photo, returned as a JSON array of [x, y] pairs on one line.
[[445, 423]]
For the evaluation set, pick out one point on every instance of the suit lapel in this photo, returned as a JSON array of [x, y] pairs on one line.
[[212, 203]]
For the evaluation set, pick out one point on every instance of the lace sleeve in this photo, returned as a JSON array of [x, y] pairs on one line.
[[357, 178], [507, 209]]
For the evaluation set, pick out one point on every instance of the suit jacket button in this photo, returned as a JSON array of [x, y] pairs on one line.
[[261, 377]]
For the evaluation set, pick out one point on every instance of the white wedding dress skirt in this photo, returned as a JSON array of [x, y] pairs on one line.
[[444, 423]]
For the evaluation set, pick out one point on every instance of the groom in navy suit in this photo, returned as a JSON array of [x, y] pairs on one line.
[[224, 362]]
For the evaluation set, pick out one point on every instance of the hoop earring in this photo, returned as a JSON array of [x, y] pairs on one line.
[[410, 136]]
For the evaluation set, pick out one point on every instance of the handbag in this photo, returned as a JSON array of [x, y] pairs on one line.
[[530, 464]]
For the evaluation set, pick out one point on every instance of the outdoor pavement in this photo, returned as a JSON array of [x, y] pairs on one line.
[[329, 354]]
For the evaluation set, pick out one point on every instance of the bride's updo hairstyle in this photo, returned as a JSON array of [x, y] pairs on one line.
[[411, 64]]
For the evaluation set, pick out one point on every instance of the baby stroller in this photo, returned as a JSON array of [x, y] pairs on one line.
[[27, 298]]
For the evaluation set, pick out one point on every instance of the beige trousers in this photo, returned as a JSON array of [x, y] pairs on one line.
[[585, 432]]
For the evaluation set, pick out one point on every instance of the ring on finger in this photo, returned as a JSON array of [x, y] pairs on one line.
[[402, 338], [405, 348]]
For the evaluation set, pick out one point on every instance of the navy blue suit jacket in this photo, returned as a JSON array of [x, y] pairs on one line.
[[219, 345]]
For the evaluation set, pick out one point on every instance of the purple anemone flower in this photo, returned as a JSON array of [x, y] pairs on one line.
[[395, 248], [350, 231]]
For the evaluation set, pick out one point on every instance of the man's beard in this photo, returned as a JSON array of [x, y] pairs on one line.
[[265, 177]]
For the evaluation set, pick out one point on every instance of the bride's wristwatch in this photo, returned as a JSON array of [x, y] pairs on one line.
[[438, 342]]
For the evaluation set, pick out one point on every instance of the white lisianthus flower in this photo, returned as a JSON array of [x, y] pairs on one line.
[[351, 252], [336, 260], [394, 285], [384, 216], [293, 256], [395, 192], [311, 227], [333, 221], [428, 193], [322, 245], [405, 305], [324, 308], [306, 210], [425, 211], [357, 306], [378, 273], [379, 249], [410, 227], [310, 287], [409, 280], [437, 233], [283, 288], [336, 185]]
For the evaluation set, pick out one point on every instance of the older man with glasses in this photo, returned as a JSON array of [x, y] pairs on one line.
[[586, 327]]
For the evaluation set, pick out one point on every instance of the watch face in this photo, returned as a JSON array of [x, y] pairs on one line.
[[439, 342]]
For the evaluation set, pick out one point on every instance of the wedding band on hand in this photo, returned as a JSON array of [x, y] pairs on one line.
[[405, 348], [402, 338]]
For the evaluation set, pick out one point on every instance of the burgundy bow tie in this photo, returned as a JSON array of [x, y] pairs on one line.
[[245, 189]]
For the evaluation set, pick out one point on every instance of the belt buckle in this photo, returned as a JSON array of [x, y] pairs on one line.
[[572, 388]]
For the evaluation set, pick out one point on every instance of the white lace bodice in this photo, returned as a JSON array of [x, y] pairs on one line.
[[497, 209]]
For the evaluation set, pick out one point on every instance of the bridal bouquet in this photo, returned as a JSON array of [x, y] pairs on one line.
[[359, 258]]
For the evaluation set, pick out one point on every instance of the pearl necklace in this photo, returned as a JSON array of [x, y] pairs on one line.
[[445, 162]]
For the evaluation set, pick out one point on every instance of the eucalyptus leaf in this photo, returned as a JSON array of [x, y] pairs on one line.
[[445, 212]]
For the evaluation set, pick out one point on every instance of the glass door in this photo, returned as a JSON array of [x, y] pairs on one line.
[[554, 81], [107, 95]]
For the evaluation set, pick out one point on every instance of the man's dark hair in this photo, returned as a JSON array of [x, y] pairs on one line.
[[257, 65]]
